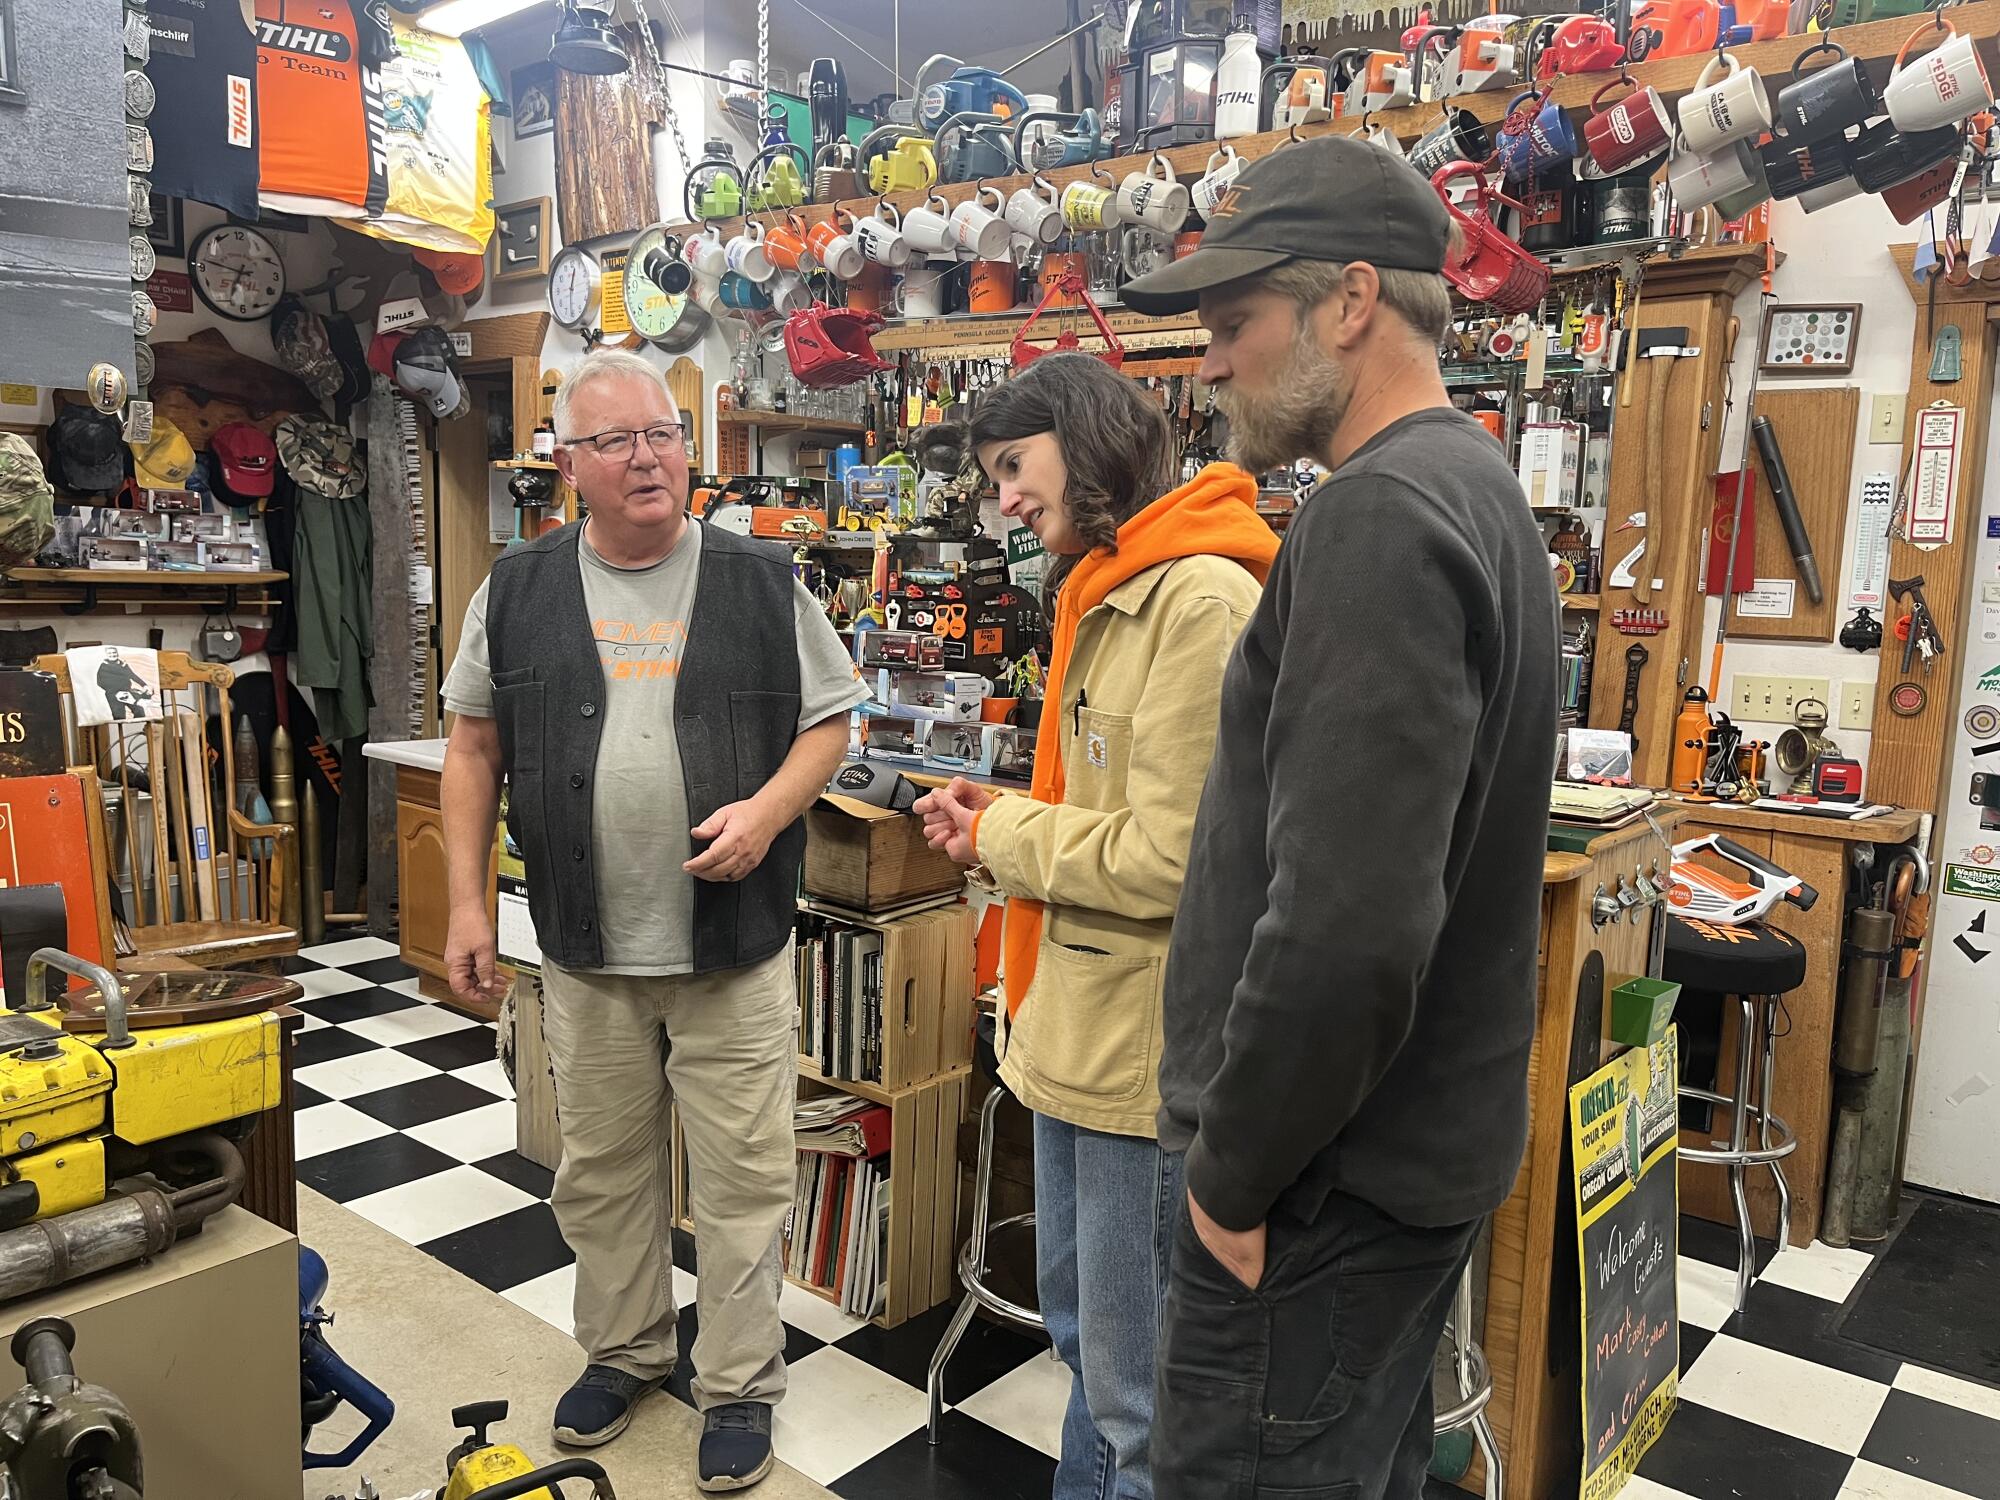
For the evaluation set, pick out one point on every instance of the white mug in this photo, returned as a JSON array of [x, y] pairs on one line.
[[789, 293], [1220, 175], [1813, 199], [1086, 207], [1158, 202], [977, 230], [1700, 179], [923, 288], [927, 229], [746, 255], [1941, 87], [1034, 215], [705, 256], [882, 240], [1382, 136], [1728, 103]]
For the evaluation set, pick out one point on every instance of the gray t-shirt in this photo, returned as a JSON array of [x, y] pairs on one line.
[[638, 812]]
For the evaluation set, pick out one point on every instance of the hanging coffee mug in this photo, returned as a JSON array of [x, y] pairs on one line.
[[1635, 129], [1086, 206], [835, 247], [928, 229], [1535, 134], [1824, 104], [1733, 206], [1941, 87], [1381, 137], [1826, 194], [1223, 168], [789, 293], [786, 246], [881, 239], [1727, 104], [747, 258], [1883, 156], [1034, 214], [924, 288], [977, 229], [740, 294], [1459, 136], [1699, 180], [705, 255], [1154, 197], [1794, 170]]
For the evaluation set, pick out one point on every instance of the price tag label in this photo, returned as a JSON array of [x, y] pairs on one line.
[[612, 316]]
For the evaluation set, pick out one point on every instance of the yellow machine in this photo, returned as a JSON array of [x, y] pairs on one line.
[[79, 1113], [907, 167], [500, 1471]]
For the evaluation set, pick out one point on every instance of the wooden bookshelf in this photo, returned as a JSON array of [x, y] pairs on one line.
[[928, 960]]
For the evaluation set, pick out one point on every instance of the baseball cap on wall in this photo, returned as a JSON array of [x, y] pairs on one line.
[[424, 369], [1332, 198], [87, 449], [247, 459], [27, 516], [320, 456], [164, 460]]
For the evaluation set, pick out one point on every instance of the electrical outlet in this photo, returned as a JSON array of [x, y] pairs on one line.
[[1771, 700], [1885, 418], [1857, 705]]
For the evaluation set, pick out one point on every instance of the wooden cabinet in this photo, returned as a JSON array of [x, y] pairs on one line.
[[420, 866]]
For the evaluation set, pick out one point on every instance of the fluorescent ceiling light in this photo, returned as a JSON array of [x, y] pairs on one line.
[[456, 17]]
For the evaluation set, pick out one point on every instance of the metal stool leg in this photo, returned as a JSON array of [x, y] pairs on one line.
[[934, 1385], [1475, 1389], [1739, 1136], [1770, 1030]]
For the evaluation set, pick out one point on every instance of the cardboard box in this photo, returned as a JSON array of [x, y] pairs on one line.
[[938, 695], [867, 858], [1551, 462]]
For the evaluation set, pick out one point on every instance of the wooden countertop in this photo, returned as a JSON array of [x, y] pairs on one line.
[[1886, 828], [1561, 869]]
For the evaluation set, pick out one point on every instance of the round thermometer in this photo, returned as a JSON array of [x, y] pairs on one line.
[[669, 319], [576, 287]]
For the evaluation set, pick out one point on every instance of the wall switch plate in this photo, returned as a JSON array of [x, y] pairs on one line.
[[1771, 700], [1857, 705], [1885, 418]]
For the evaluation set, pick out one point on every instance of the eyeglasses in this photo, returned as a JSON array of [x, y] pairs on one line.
[[619, 444]]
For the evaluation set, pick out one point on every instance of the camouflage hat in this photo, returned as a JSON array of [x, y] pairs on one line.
[[27, 513], [320, 456], [304, 347]]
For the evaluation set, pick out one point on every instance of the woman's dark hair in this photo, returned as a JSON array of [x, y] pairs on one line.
[[1114, 440]]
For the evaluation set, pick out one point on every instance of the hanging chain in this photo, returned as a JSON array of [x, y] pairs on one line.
[[665, 86], [764, 46]]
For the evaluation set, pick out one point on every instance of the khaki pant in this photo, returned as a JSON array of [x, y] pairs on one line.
[[723, 1047]]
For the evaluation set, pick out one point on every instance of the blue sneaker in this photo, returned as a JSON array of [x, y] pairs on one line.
[[735, 1446], [599, 1406]]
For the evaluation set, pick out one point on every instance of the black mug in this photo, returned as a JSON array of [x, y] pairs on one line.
[[1621, 207], [1827, 101], [1459, 136], [1882, 156], [1791, 169]]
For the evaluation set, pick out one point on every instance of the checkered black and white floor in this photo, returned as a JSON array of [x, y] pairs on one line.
[[406, 1118]]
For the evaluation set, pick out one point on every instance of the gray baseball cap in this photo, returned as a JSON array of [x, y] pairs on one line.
[[1332, 198]]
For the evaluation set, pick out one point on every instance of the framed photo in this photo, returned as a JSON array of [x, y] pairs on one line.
[[534, 91], [1810, 339], [521, 241], [167, 234]]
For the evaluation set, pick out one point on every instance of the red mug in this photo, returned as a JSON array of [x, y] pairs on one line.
[[1628, 132]]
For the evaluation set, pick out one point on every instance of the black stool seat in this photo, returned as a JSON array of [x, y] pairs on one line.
[[1751, 959]]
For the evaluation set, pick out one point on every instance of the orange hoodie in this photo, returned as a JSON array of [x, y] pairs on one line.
[[1213, 514]]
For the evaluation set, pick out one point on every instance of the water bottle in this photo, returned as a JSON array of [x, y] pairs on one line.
[[1236, 82]]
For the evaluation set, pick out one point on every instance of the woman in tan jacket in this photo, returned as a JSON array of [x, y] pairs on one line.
[[1152, 585]]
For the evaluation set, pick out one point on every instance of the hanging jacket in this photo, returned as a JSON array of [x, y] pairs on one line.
[[1092, 860]]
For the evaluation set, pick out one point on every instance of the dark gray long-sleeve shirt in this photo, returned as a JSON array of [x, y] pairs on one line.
[[1350, 995]]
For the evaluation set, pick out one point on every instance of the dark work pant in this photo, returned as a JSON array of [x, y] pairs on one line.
[[1317, 1385]]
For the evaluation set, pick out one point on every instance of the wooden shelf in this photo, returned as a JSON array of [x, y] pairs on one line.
[[151, 577], [1584, 603], [874, 1093], [524, 463], [784, 421]]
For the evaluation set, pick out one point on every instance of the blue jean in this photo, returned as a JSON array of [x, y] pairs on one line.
[[1105, 1208]]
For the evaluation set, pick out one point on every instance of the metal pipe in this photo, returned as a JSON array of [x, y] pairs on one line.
[[117, 1033], [312, 868], [285, 812], [41, 1349], [83, 1241], [203, 1199]]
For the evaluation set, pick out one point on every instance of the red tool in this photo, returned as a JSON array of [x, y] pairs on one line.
[[1067, 287], [1489, 267]]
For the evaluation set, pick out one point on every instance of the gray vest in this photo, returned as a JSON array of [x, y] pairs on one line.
[[736, 704]]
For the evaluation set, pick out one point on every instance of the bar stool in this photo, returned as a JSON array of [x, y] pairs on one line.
[[972, 1267], [1475, 1389], [1756, 964]]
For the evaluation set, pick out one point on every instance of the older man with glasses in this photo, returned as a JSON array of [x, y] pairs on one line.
[[664, 700]]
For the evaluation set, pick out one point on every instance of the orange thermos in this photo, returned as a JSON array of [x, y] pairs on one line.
[[1690, 742]]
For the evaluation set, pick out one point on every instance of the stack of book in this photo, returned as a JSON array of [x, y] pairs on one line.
[[840, 999], [837, 1234]]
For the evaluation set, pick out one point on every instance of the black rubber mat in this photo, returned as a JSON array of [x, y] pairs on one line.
[[1934, 1295]]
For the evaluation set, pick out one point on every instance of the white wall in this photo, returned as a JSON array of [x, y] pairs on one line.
[[1840, 254]]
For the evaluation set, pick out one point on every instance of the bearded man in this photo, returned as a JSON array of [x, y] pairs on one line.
[[1350, 994]]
